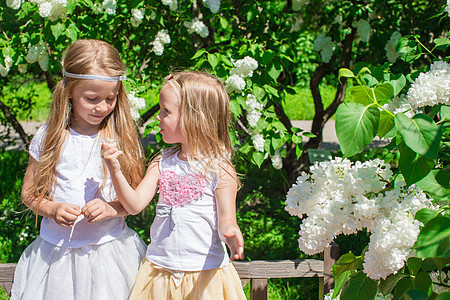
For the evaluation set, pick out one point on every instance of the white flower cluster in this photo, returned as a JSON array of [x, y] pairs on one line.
[[431, 88], [254, 109], [391, 54], [363, 29], [258, 142], [173, 4], [110, 6], [14, 4], [38, 53], [5, 69], [400, 104], [198, 27], [213, 5], [242, 68], [277, 160], [137, 15], [339, 197], [324, 46], [447, 8], [136, 103], [52, 9], [162, 38], [298, 4]]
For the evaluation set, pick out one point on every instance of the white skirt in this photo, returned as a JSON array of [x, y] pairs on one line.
[[106, 271]]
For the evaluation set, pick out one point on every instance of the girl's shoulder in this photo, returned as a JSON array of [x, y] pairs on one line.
[[37, 141]]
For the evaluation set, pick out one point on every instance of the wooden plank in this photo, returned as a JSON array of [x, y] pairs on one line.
[[331, 255], [6, 276], [280, 268], [258, 289]]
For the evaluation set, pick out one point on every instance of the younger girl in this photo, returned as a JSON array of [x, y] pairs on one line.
[[85, 249], [196, 213]]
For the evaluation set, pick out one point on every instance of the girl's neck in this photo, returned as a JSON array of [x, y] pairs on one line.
[[183, 155]]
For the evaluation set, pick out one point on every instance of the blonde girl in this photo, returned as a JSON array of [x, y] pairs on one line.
[[195, 214], [85, 249]]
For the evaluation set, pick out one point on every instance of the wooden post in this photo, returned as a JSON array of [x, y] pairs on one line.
[[258, 289], [6, 276], [331, 255]]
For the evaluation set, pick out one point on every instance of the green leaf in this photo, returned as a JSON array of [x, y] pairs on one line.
[[433, 240], [339, 282], [424, 215], [235, 108], [223, 22], [414, 264], [271, 90], [356, 126], [386, 123], [438, 189], [362, 94], [398, 83], [344, 72], [58, 29], [383, 93], [403, 285], [423, 281], [72, 32], [420, 133], [443, 296], [258, 158], [413, 166], [347, 262], [198, 53], [359, 287], [268, 56], [415, 295], [275, 70], [70, 6], [387, 285], [213, 60], [445, 112]]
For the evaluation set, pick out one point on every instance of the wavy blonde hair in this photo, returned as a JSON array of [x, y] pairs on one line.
[[205, 118], [88, 57]]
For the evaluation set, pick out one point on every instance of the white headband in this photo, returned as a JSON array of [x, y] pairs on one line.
[[94, 77]]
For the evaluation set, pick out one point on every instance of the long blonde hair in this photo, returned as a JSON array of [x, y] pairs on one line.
[[205, 118], [88, 57]]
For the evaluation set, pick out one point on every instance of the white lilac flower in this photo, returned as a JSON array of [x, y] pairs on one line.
[[258, 142], [198, 27], [325, 47], [298, 4], [363, 29], [137, 15], [14, 4], [136, 103], [339, 197], [173, 4], [391, 54], [22, 68], [235, 83], [152, 15], [277, 160], [8, 61], [38, 53], [447, 7], [213, 5], [45, 9], [43, 61], [244, 67], [400, 104], [162, 38], [158, 48], [110, 6], [254, 109], [431, 88]]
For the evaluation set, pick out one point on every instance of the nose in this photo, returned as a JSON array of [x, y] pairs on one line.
[[102, 107], [158, 118]]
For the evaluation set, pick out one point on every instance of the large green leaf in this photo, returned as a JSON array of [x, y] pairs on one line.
[[383, 93], [415, 294], [398, 82], [347, 262], [445, 112], [423, 281], [356, 126], [413, 166], [344, 72], [363, 95], [339, 282], [359, 287], [436, 183], [424, 215], [414, 264], [386, 123], [387, 285], [420, 133], [433, 240]]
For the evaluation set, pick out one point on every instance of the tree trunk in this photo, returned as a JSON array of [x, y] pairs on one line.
[[14, 123]]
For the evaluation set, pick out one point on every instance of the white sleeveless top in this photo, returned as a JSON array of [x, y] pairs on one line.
[[79, 175], [184, 234]]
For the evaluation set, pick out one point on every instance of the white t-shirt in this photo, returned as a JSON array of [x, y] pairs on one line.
[[184, 234], [79, 175]]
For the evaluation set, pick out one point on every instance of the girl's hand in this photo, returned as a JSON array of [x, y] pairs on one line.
[[66, 214], [97, 209], [110, 153], [235, 241]]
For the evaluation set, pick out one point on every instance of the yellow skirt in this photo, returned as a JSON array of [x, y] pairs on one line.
[[153, 282]]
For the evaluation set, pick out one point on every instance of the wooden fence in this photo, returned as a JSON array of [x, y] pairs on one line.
[[256, 272]]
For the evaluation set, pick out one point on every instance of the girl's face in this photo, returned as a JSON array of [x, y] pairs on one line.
[[92, 102], [170, 114]]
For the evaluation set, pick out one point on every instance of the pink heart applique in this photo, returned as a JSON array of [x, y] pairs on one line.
[[177, 190]]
